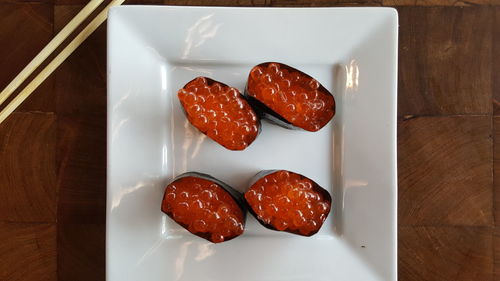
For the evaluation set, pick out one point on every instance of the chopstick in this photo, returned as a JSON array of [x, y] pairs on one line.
[[63, 55], [49, 49]]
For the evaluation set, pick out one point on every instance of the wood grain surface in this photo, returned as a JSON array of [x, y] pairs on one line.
[[444, 63], [53, 148], [445, 171], [436, 253]]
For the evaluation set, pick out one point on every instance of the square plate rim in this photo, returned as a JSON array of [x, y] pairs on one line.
[[393, 13]]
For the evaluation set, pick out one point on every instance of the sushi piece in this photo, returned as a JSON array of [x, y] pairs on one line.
[[288, 97], [205, 206], [286, 201], [220, 112]]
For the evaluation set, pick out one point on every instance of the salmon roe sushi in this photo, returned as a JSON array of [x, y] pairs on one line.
[[204, 207], [295, 97], [220, 112], [287, 201]]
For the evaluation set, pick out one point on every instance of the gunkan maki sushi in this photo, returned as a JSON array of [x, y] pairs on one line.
[[286, 201], [205, 207], [289, 97], [220, 112]]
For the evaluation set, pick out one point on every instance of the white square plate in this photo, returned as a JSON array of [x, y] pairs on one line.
[[154, 51]]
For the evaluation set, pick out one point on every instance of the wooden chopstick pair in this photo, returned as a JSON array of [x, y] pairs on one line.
[[49, 49]]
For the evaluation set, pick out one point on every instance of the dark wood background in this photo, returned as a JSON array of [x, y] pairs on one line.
[[53, 148]]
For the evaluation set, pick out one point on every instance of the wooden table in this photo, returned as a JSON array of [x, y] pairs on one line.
[[53, 148]]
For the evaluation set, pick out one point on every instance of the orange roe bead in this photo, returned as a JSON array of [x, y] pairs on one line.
[[292, 94], [287, 201], [204, 208], [220, 112]]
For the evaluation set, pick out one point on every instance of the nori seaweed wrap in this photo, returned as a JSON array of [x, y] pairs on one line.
[[205, 207], [286, 201], [289, 97], [220, 112]]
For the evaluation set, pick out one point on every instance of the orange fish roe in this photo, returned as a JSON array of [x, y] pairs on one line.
[[290, 202], [220, 112], [295, 96], [204, 208]]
